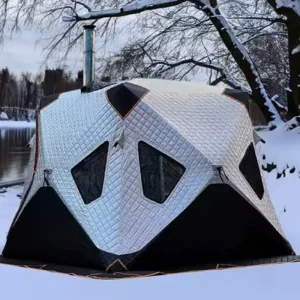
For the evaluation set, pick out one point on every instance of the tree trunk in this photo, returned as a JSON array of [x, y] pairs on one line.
[[241, 57], [289, 10], [294, 61]]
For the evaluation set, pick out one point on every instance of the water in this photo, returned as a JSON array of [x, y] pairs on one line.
[[14, 156]]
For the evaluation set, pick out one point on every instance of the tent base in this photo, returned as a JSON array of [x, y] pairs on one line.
[[98, 274]]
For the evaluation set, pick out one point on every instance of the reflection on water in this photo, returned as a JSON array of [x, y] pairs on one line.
[[13, 154]]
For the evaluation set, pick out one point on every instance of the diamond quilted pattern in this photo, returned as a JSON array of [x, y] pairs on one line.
[[208, 129], [122, 220], [222, 135]]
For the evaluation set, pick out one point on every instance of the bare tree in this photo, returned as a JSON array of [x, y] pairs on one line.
[[290, 9], [23, 93], [4, 83], [217, 35], [226, 33]]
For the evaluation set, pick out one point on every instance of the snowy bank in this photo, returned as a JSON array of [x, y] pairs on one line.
[[284, 193], [9, 203], [282, 148], [275, 282], [3, 116], [17, 124]]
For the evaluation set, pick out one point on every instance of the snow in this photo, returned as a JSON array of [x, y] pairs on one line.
[[284, 193], [274, 282], [17, 124], [271, 282], [244, 52], [3, 116], [277, 103], [130, 8], [8, 206], [282, 147], [296, 50], [293, 4]]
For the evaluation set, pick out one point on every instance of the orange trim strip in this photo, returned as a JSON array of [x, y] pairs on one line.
[[117, 260]]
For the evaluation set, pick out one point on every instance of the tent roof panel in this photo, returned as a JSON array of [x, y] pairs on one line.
[[171, 86]]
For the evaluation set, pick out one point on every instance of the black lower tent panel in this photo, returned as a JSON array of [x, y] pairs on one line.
[[218, 227], [100, 274], [76, 271], [46, 231]]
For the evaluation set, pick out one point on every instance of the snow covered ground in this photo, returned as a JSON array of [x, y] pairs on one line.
[[3, 116], [282, 147], [9, 203], [285, 194], [16, 124], [280, 282], [261, 282]]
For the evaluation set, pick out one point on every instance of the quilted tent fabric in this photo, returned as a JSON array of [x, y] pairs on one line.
[[196, 125]]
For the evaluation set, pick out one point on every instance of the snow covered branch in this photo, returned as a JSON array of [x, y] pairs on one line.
[[82, 4], [296, 50], [236, 48], [291, 10], [187, 61], [243, 38], [282, 34], [226, 76], [241, 56], [293, 5], [134, 7]]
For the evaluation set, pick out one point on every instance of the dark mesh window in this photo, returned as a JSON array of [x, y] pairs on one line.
[[250, 169], [89, 174], [160, 173]]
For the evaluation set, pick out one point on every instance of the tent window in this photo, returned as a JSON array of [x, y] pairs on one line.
[[160, 173], [250, 169], [89, 174]]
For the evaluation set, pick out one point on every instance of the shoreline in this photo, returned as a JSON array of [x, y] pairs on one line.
[[7, 124]]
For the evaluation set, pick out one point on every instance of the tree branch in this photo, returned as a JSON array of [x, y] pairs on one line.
[[129, 9], [273, 20], [283, 34], [82, 4], [53, 47], [241, 57], [217, 80]]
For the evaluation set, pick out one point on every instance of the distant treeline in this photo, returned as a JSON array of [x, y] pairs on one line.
[[25, 91]]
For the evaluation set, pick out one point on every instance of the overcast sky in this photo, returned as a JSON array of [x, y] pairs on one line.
[[22, 54], [19, 54]]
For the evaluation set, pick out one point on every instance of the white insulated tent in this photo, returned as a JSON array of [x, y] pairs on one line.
[[145, 174]]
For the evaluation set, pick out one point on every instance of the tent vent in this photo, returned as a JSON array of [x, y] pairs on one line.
[[124, 97]]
